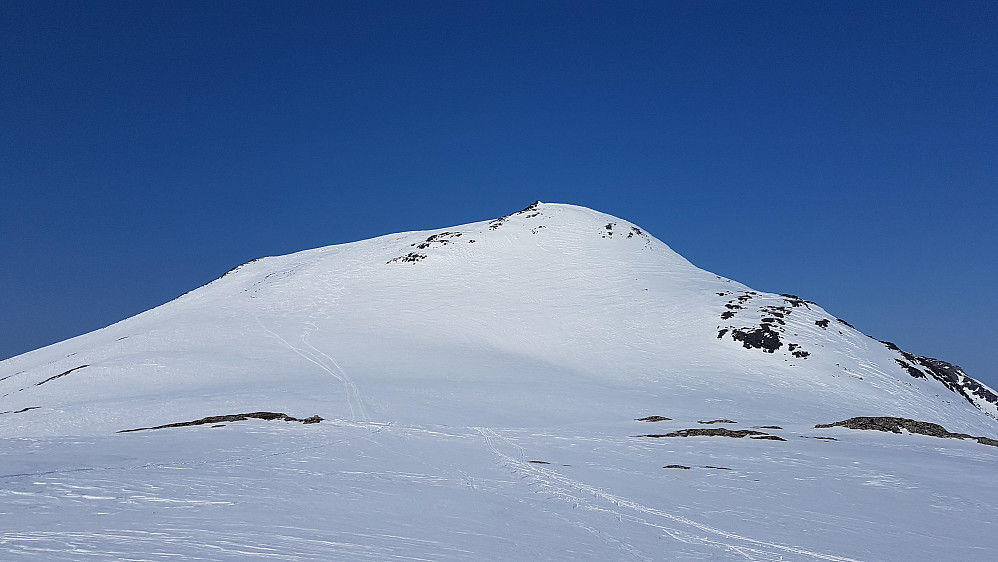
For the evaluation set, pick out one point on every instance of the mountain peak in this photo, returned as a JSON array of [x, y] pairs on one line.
[[552, 313]]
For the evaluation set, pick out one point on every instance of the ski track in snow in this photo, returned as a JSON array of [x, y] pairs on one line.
[[328, 296], [271, 458], [353, 395], [197, 544], [354, 402], [567, 489]]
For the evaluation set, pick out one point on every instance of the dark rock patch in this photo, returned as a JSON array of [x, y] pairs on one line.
[[770, 437], [717, 421], [411, 257], [846, 323], [911, 370], [531, 209], [62, 374], [956, 380], [707, 432], [767, 427], [895, 425], [21, 411], [231, 418], [795, 301], [778, 311], [890, 424], [823, 323], [539, 462], [676, 466], [764, 338], [442, 238], [952, 376], [234, 269], [768, 333], [654, 419], [716, 467], [890, 345]]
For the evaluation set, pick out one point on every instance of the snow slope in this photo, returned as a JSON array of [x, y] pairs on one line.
[[444, 362]]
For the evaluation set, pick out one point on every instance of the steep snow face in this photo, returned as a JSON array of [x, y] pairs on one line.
[[555, 314]]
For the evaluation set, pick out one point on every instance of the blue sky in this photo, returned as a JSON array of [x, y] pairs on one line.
[[843, 151]]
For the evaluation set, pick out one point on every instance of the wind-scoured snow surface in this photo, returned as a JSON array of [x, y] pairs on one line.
[[480, 387]]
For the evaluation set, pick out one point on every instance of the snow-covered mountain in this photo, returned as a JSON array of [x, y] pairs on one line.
[[481, 390]]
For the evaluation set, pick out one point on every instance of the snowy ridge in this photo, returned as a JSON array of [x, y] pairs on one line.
[[495, 370]]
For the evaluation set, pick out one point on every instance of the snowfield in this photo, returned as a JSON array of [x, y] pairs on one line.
[[480, 388]]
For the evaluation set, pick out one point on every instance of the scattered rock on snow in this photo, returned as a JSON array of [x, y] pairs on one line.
[[764, 338], [231, 418], [952, 376], [846, 323], [705, 432], [411, 257], [62, 374], [895, 425], [21, 411]]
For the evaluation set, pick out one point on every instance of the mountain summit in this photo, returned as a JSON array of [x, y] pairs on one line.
[[508, 372], [552, 314]]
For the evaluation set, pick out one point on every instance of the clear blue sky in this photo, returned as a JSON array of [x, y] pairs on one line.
[[843, 151]]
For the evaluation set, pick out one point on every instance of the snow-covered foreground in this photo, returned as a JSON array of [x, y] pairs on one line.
[[372, 491], [480, 388]]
